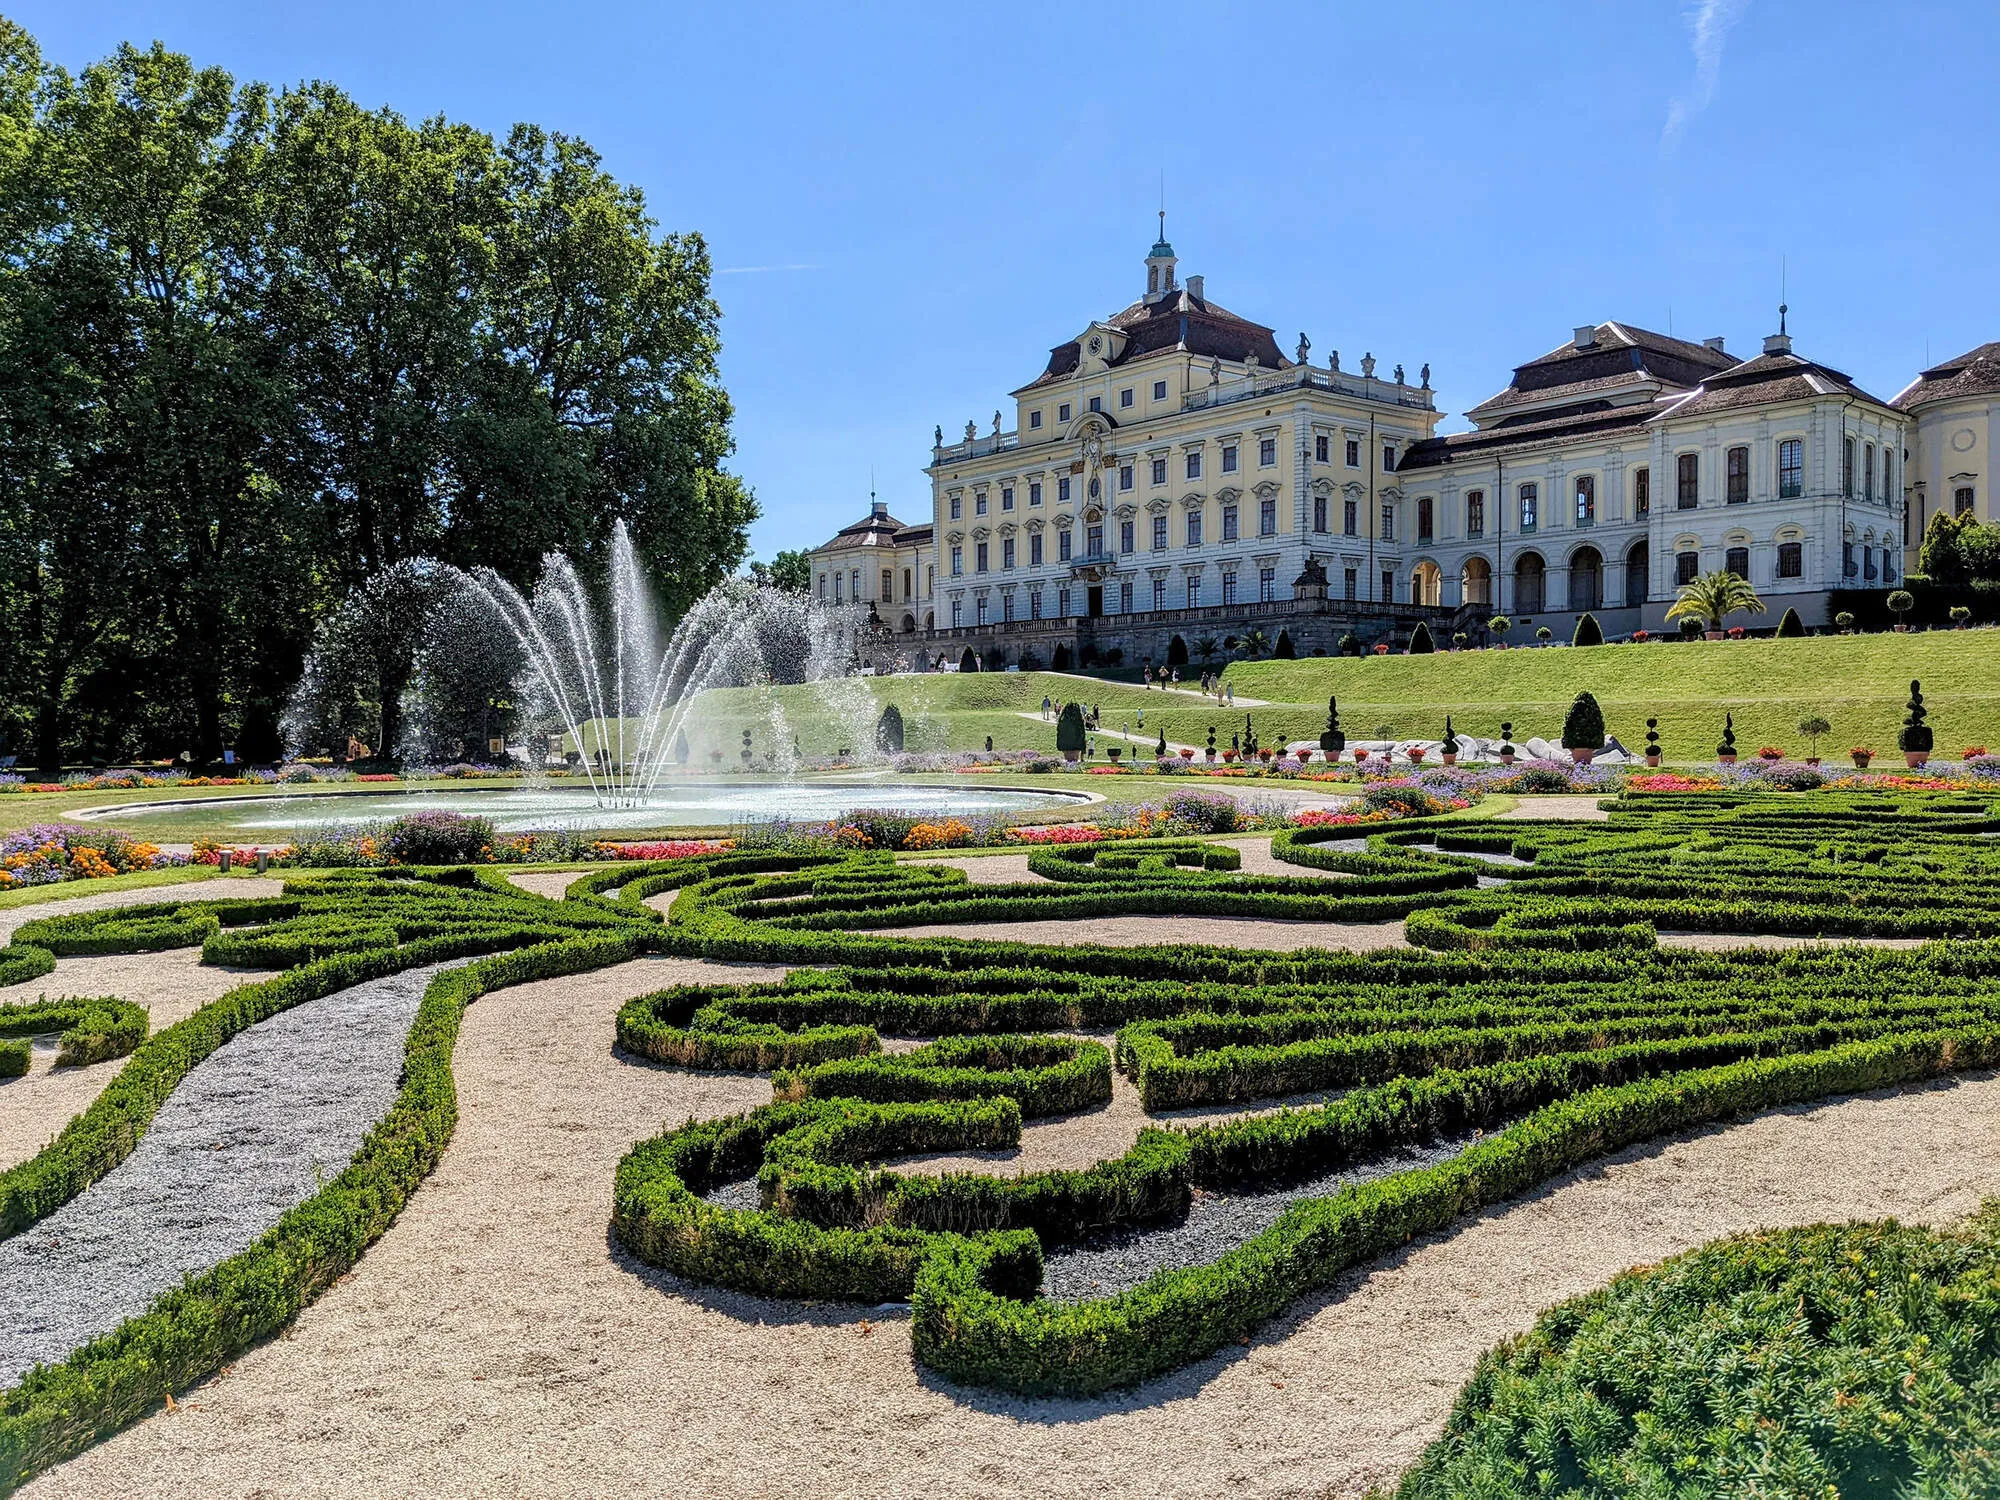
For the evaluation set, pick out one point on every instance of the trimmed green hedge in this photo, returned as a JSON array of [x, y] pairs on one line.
[[93, 1030]]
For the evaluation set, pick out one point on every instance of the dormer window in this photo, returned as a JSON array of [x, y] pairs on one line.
[[1159, 390], [1034, 419]]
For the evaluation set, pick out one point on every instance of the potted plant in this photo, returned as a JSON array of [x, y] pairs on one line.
[[1114, 751], [1713, 597], [1972, 752], [1642, 635], [1500, 625], [1187, 752], [1583, 729], [1229, 757], [1506, 744], [1543, 634], [1414, 754], [1844, 622], [1735, 633], [1861, 755], [1448, 752], [1331, 739], [1360, 755], [1211, 745], [1901, 602], [1770, 753], [1961, 616], [1070, 733], [1653, 743], [1458, 640], [1812, 726], [1264, 754], [1725, 753], [1914, 740]]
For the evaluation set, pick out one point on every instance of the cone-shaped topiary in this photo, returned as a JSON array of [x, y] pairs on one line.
[[1915, 735], [680, 747], [1160, 750], [967, 662], [1069, 731], [889, 731], [1450, 737], [1583, 727], [1588, 631], [1331, 740], [1790, 626], [1728, 745], [1284, 650], [1421, 643]]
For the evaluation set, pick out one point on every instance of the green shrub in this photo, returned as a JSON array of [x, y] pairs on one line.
[[1790, 626], [1421, 643], [1915, 735], [1583, 726], [1588, 631], [438, 838]]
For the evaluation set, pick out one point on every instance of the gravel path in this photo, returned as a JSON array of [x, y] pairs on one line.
[[1216, 1223], [492, 1343], [550, 883], [172, 986], [1722, 942], [250, 1131], [992, 869], [1271, 934], [222, 888], [1559, 809]]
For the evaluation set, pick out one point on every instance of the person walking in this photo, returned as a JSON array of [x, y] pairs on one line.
[[1045, 706]]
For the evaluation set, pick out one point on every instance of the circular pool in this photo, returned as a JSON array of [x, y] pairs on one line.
[[516, 810]]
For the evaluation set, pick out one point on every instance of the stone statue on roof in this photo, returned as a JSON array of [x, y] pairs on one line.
[[996, 421], [1399, 374], [1305, 348], [1425, 374], [1333, 361], [937, 436], [971, 431], [1368, 366], [1215, 370]]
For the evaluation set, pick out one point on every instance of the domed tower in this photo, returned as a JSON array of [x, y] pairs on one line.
[[1160, 266]]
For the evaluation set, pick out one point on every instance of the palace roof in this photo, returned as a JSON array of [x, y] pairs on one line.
[[877, 529], [1181, 322], [1974, 373]]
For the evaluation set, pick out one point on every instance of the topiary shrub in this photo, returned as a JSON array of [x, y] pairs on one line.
[[1070, 735], [1901, 602], [1331, 740], [1915, 736], [1421, 643], [1790, 626], [1500, 625], [1588, 631], [438, 838], [889, 731], [1728, 746], [680, 747], [1350, 644], [1284, 650], [967, 662], [1583, 726]]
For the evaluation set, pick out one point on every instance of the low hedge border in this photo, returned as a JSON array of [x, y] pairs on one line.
[[93, 1029]]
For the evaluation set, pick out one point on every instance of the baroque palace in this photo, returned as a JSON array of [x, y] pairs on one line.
[[1172, 478]]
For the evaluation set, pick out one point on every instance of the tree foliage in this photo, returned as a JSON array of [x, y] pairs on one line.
[[257, 346], [1713, 597]]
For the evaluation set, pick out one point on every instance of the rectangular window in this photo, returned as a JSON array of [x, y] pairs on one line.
[[1097, 403], [1847, 467], [1388, 458], [1737, 560], [1642, 491], [1159, 593], [1125, 596], [1267, 452], [1007, 552], [1267, 585], [1159, 533], [1388, 586], [979, 557], [1035, 493], [1350, 518], [1319, 513], [1124, 536], [1791, 560], [1228, 588], [1034, 420], [888, 584], [1354, 453], [1062, 412], [957, 506], [1093, 540], [1194, 591], [1194, 464], [1868, 472], [1125, 398], [1124, 476], [1267, 516], [840, 588], [1320, 445], [1888, 489], [1034, 604], [1062, 490], [1159, 471], [1063, 545], [1349, 582], [1686, 566], [1388, 523], [1007, 497], [1426, 518], [1007, 605], [1034, 549], [1531, 502], [979, 503], [957, 613], [957, 562], [1586, 500], [979, 608], [1475, 513], [1229, 523], [822, 585], [1687, 481], [1194, 528], [1062, 603], [1791, 469], [1228, 459], [1737, 481]]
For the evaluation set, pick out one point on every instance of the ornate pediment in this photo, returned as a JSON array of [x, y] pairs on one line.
[[1159, 505]]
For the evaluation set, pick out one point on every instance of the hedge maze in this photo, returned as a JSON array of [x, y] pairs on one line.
[[1534, 1013]]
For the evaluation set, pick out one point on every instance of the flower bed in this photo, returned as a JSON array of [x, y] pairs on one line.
[[45, 853]]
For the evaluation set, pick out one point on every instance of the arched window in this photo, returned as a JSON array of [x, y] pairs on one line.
[[1530, 582], [1638, 564], [1847, 467], [1791, 560], [1737, 560], [1868, 471], [1476, 581], [1586, 579]]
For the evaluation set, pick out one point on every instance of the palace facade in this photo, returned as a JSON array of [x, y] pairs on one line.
[[1172, 479]]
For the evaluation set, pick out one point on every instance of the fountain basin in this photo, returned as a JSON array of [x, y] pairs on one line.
[[517, 809]]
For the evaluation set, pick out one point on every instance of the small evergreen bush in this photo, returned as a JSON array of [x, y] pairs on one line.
[[1588, 631], [1583, 726], [1421, 643]]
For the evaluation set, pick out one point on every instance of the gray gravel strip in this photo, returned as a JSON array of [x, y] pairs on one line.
[[252, 1131], [1216, 1223]]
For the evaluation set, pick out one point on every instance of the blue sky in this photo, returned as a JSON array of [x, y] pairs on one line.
[[910, 204]]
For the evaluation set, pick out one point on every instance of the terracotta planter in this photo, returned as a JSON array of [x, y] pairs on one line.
[[1728, 759], [1653, 759], [1812, 760], [1861, 761], [1449, 757], [1360, 757], [1711, 635], [1915, 758], [1902, 630], [1210, 757], [1507, 756], [1582, 757], [1072, 756]]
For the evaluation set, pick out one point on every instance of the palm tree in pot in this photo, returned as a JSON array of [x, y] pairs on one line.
[[1713, 597]]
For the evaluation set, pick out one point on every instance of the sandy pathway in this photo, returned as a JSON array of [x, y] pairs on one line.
[[991, 869], [172, 986], [222, 888], [493, 1344], [1722, 942], [1559, 809], [550, 883], [1270, 934]]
